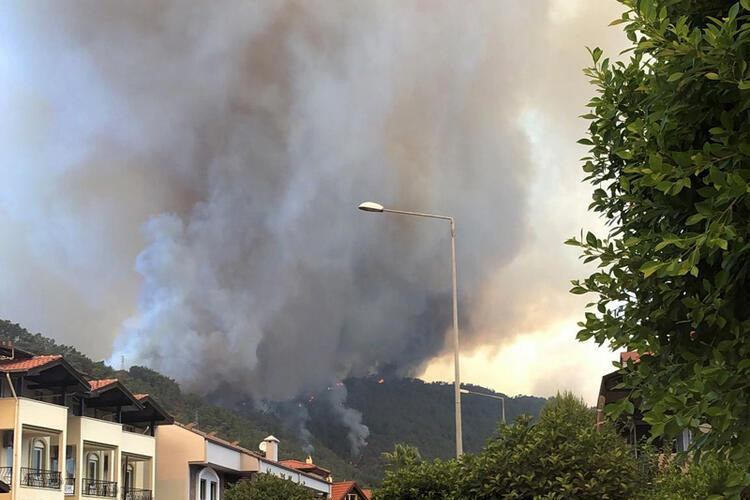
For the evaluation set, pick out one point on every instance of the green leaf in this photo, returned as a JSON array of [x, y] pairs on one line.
[[625, 155], [745, 4], [578, 290], [733, 11], [712, 76], [694, 219], [674, 76], [591, 239], [596, 54], [742, 84], [650, 268]]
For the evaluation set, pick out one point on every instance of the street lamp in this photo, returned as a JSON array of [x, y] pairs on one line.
[[369, 206], [502, 400]]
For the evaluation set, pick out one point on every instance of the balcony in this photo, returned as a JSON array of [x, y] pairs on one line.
[[6, 475], [39, 478], [99, 488], [135, 494], [69, 487]]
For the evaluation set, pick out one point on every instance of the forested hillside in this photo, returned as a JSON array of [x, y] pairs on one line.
[[405, 410]]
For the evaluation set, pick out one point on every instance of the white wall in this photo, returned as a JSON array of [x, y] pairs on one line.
[[222, 456], [310, 482]]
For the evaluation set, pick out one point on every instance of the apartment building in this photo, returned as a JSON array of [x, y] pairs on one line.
[[66, 437]]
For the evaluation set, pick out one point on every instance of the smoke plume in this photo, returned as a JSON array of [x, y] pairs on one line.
[[223, 147]]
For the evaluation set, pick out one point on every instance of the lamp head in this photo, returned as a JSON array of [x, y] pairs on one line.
[[370, 206]]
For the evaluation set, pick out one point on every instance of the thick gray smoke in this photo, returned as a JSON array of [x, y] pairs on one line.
[[240, 136]]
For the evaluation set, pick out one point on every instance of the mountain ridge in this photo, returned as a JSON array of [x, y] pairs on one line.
[[396, 410]]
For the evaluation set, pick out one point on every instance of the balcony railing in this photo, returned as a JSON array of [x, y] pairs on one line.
[[6, 475], [39, 478], [70, 486], [98, 488], [135, 494]]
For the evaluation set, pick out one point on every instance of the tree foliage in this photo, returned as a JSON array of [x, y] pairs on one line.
[[710, 478], [562, 456], [268, 487], [669, 158], [409, 478]]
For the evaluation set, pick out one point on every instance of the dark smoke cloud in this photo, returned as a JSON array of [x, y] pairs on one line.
[[223, 147]]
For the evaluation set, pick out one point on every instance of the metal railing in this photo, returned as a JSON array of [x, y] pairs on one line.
[[39, 478], [6, 475], [99, 488], [135, 494], [69, 488]]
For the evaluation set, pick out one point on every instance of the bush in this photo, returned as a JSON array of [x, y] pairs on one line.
[[268, 487], [407, 477], [710, 478], [562, 456]]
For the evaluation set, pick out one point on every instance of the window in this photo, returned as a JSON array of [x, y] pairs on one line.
[[129, 477], [54, 458], [352, 496], [106, 467], [70, 461], [8, 447], [207, 484], [92, 466], [37, 455]]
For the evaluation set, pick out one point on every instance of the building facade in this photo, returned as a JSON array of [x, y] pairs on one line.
[[65, 437], [195, 465]]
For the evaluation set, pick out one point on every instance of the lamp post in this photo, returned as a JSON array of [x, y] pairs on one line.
[[369, 206], [502, 399]]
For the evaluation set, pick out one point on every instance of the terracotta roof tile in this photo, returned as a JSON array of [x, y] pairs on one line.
[[98, 384], [368, 493], [140, 397], [339, 490], [28, 364], [305, 467]]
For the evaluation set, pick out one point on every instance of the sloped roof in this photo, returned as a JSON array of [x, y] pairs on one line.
[[305, 467], [341, 489], [212, 437], [111, 391], [151, 411], [51, 368], [98, 384], [24, 365]]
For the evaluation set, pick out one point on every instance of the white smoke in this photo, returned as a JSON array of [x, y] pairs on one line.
[[238, 138]]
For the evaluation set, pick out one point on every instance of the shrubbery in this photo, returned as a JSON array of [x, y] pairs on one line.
[[562, 456], [268, 487]]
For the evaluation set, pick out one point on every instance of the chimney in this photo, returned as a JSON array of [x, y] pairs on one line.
[[271, 448], [308, 460]]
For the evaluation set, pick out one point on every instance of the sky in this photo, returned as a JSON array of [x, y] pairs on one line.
[[179, 183]]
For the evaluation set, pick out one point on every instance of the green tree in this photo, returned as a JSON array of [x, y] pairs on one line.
[[562, 456], [402, 455], [407, 477], [669, 159], [709, 478], [268, 487]]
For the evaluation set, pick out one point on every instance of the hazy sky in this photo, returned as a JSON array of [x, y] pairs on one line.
[[542, 357], [177, 178]]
